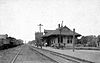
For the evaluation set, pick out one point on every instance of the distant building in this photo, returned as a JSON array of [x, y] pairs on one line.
[[60, 35], [38, 35]]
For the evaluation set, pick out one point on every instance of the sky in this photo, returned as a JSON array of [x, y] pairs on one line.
[[20, 18]]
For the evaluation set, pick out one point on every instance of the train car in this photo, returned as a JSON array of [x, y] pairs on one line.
[[18, 42], [1, 44], [8, 42], [4, 41]]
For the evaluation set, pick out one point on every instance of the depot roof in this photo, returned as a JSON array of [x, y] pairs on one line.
[[60, 31]]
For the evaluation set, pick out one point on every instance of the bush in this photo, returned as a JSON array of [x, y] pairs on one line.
[[92, 44]]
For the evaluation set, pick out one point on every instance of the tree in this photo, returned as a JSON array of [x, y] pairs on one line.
[[83, 40], [89, 40]]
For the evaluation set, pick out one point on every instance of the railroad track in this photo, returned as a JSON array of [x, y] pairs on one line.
[[71, 59], [15, 57], [44, 55], [14, 60]]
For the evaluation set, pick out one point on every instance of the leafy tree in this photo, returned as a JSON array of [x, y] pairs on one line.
[[89, 40], [83, 40]]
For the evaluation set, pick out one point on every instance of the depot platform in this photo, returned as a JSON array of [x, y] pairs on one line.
[[90, 55]]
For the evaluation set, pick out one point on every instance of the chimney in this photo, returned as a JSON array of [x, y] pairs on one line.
[[58, 25]]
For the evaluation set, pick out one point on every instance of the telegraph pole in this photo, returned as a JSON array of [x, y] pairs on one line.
[[40, 27], [61, 31], [73, 40], [60, 36]]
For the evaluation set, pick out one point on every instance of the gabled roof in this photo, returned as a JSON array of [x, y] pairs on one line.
[[64, 31], [48, 31]]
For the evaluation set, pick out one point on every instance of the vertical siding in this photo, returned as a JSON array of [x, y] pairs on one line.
[[56, 40]]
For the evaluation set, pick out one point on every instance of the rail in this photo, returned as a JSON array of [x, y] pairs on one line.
[[44, 55], [15, 57]]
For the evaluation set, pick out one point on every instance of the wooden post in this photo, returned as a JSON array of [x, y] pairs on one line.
[[96, 39], [73, 40], [60, 37]]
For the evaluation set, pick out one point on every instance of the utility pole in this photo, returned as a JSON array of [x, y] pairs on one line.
[[40, 27], [73, 40], [61, 31], [60, 36]]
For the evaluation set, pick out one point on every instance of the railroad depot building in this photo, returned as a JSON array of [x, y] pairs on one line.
[[61, 35]]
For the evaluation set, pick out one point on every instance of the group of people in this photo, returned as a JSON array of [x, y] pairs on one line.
[[56, 45]]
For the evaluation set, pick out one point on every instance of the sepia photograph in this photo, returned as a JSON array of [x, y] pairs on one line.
[[49, 31]]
